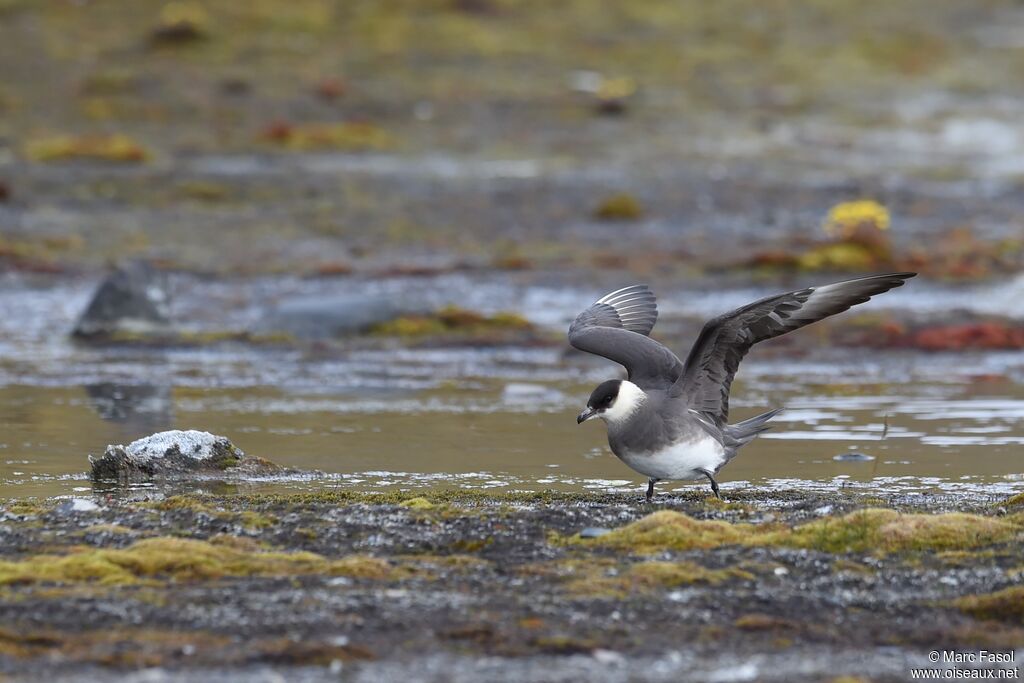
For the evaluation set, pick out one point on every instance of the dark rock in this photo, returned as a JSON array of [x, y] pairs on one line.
[[320, 317], [175, 454], [133, 300]]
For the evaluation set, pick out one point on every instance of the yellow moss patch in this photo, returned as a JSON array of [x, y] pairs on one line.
[[181, 22], [419, 503], [179, 559], [1005, 605], [840, 256], [255, 520], [887, 531], [114, 148], [619, 207], [26, 507], [965, 558], [849, 566], [363, 567], [671, 574], [670, 530], [190, 503], [872, 530], [1015, 501], [845, 218], [452, 320]]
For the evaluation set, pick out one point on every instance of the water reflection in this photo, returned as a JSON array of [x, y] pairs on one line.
[[138, 409]]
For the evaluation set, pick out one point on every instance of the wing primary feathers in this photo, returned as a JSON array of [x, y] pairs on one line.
[[711, 365]]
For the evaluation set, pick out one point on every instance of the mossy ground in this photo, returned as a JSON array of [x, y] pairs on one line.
[[495, 575], [1005, 605], [871, 530]]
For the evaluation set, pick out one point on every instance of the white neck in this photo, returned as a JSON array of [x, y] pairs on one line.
[[629, 400]]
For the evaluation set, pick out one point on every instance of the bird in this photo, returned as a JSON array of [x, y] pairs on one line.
[[669, 419]]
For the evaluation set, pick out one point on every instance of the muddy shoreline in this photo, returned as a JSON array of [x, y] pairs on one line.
[[453, 586]]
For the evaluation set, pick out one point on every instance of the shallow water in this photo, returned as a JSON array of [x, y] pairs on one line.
[[482, 417]]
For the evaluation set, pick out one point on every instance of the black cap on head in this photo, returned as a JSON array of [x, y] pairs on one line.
[[604, 395]]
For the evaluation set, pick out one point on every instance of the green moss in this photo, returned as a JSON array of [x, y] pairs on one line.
[[966, 558], [1016, 501], [672, 574], [191, 503], [838, 256], [27, 507], [670, 530], [887, 531], [345, 136], [418, 503], [255, 520], [468, 498], [1004, 605], [843, 564], [619, 207], [871, 530], [180, 22], [716, 503], [181, 559], [452, 320], [112, 148], [365, 567]]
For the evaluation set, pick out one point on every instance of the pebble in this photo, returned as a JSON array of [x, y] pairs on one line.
[[594, 532], [853, 457]]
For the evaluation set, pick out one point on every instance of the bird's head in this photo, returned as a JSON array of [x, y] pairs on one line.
[[613, 401]]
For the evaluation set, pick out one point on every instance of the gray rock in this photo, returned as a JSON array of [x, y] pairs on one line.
[[174, 454], [73, 505], [322, 316], [134, 299]]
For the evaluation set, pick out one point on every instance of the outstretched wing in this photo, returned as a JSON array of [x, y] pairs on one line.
[[616, 327], [724, 341]]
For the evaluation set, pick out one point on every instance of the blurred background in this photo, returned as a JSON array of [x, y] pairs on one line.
[[350, 234]]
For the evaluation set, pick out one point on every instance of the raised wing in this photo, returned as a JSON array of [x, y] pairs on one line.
[[616, 327], [724, 341]]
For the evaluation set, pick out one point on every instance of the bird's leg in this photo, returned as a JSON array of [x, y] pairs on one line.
[[714, 484], [650, 488]]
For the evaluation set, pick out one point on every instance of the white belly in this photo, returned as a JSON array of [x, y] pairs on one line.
[[683, 460]]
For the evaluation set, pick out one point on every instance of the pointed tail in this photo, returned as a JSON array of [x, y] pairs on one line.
[[745, 432]]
